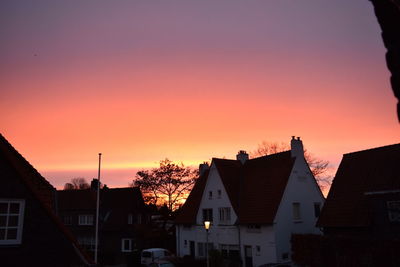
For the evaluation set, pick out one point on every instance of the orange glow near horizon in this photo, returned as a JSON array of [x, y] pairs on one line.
[[189, 82]]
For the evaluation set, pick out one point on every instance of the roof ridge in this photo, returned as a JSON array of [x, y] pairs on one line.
[[372, 149], [271, 155], [19, 156]]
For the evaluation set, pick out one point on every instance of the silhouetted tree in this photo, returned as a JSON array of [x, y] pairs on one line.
[[319, 167], [78, 183], [168, 184]]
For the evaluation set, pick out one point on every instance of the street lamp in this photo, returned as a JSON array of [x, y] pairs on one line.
[[207, 226]]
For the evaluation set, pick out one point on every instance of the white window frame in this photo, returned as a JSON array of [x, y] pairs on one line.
[[18, 227], [224, 215], [86, 219], [130, 243]]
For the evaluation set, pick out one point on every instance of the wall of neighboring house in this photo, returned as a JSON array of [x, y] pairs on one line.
[[42, 243], [296, 212], [261, 242]]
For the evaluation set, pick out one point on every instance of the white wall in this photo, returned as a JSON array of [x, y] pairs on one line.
[[218, 234], [301, 188], [265, 238]]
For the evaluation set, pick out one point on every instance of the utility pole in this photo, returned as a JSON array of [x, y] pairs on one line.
[[97, 213]]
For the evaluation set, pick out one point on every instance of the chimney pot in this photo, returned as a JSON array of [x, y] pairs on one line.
[[242, 156], [296, 147], [203, 167]]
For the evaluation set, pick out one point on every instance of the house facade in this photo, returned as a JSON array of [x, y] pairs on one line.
[[30, 232], [254, 206], [122, 218], [361, 216]]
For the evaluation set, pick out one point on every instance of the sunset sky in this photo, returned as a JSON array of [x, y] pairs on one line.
[[188, 80]]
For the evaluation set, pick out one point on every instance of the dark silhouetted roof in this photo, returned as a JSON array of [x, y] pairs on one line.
[[255, 189], [41, 189], [115, 203], [359, 173], [188, 212]]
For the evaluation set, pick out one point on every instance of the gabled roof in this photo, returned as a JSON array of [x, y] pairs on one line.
[[188, 212], [255, 188], [359, 174], [30, 176], [115, 203], [41, 190]]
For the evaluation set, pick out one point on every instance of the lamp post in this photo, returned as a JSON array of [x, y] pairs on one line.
[[207, 226]]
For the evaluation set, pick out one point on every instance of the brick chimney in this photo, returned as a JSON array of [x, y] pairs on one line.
[[242, 156], [296, 146], [93, 184], [203, 167]]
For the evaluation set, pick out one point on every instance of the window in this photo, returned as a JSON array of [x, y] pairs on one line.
[[393, 211], [224, 215], [219, 193], [209, 194], [68, 220], [130, 218], [254, 228], [138, 218], [317, 209], [258, 250], [201, 248], [87, 242], [185, 243], [11, 221], [285, 256], [85, 219], [229, 251], [207, 215], [296, 211], [126, 245]]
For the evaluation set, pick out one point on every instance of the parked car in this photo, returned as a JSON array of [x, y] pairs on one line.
[[162, 263], [152, 255]]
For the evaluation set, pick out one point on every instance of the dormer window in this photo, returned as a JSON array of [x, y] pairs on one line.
[[209, 194]]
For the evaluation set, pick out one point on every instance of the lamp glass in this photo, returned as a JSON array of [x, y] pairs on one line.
[[207, 224]]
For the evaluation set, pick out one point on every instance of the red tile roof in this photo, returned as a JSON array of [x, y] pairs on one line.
[[359, 173], [41, 189], [255, 189]]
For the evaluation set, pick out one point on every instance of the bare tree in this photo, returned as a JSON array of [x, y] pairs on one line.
[[168, 184], [319, 167], [78, 183]]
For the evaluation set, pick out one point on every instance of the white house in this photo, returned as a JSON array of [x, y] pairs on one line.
[[254, 206]]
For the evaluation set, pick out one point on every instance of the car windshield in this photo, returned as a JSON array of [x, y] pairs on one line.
[[146, 254], [166, 265]]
